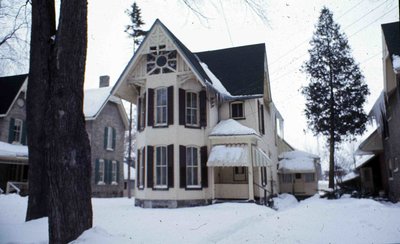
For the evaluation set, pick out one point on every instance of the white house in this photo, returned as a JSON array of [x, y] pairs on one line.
[[206, 122]]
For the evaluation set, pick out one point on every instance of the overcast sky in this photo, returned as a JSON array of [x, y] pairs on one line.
[[286, 35]]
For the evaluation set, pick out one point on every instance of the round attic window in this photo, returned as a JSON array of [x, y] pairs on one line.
[[161, 61], [20, 102]]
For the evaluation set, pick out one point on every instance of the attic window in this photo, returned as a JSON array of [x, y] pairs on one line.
[[161, 61]]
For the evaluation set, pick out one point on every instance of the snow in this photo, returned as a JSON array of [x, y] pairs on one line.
[[216, 83], [297, 162], [297, 154], [396, 63], [313, 220], [10, 150], [231, 127], [94, 100], [133, 172], [362, 159], [350, 176], [300, 165], [228, 155]]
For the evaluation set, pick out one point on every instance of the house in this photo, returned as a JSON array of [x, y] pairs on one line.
[[13, 149], [106, 123], [299, 173], [129, 180], [384, 141], [207, 126]]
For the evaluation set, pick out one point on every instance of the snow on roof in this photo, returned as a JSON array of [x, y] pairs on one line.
[[231, 127], [94, 100], [350, 176], [297, 154], [396, 63], [297, 165], [10, 150], [363, 159], [216, 83], [133, 172]]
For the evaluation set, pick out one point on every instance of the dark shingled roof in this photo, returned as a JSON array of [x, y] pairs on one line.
[[240, 69], [9, 87], [391, 31]]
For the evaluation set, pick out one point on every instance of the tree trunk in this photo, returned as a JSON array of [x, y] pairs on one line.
[[58, 62], [43, 27], [331, 161]]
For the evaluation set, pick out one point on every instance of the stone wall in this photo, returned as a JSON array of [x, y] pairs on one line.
[[16, 112]]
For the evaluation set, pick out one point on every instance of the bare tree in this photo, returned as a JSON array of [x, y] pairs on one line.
[[14, 35], [59, 150]]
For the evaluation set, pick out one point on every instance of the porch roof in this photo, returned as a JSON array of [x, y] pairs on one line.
[[236, 155]]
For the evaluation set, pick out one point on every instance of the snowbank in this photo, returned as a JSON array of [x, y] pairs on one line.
[[285, 201], [231, 127], [313, 220], [396, 63]]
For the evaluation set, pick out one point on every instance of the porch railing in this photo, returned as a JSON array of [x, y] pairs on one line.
[[267, 198], [14, 186]]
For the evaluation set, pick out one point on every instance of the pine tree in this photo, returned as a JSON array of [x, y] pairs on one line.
[[134, 30], [337, 91]]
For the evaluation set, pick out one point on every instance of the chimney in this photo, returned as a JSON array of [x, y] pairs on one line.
[[104, 81]]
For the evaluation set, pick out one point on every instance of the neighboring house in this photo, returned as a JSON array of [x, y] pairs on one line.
[[384, 142], [13, 149], [130, 181], [299, 173], [106, 123], [207, 127]]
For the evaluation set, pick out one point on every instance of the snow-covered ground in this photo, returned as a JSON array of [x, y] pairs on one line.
[[313, 220]]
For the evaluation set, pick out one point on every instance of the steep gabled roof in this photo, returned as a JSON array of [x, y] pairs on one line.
[[391, 31], [240, 69], [9, 90]]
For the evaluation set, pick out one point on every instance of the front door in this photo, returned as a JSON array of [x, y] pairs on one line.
[[299, 183]]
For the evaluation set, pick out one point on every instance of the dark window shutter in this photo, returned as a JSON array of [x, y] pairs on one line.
[[150, 166], [204, 170], [144, 112], [138, 163], [11, 131], [182, 166], [139, 114], [262, 119], [114, 135], [118, 174], [203, 109], [143, 160], [96, 172], [170, 105], [105, 137], [170, 153], [182, 106], [150, 109], [23, 139]]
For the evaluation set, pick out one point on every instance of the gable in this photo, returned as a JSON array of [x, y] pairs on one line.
[[240, 69], [9, 89], [391, 32]]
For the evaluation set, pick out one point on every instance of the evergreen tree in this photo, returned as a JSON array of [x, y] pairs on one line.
[[337, 91], [134, 30]]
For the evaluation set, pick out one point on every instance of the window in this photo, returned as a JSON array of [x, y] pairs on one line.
[[261, 126], [239, 174], [160, 61], [237, 111], [141, 169], [161, 106], [17, 131], [109, 138], [114, 172], [142, 112], [101, 172], [192, 167], [264, 176], [287, 178], [192, 109], [161, 167], [298, 176], [309, 177]]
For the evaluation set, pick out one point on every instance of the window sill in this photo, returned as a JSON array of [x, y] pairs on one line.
[[114, 183], [160, 126], [160, 188], [101, 183], [238, 118], [110, 149], [193, 188], [192, 126]]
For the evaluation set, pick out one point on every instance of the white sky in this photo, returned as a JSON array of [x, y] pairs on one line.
[[286, 35]]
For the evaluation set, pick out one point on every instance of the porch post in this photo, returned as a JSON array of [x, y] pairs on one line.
[[250, 173], [212, 183]]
